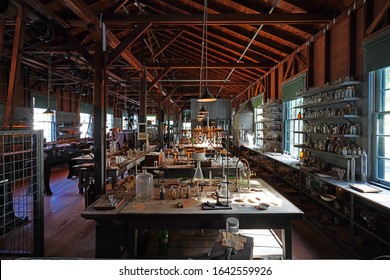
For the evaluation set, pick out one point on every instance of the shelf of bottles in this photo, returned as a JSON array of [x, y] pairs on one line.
[[270, 131], [331, 118]]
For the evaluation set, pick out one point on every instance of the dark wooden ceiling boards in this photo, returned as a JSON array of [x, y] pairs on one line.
[[245, 39]]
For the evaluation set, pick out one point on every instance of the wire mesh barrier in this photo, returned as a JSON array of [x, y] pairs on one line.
[[21, 193]]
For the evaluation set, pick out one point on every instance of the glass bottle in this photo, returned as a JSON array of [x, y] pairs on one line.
[[163, 242], [363, 166], [144, 186]]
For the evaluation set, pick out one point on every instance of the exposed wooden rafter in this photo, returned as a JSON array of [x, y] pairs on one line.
[[123, 21]]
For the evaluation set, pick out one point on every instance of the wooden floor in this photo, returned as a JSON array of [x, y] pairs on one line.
[[68, 235]]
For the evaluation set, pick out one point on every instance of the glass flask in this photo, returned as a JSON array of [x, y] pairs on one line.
[[243, 176], [144, 186], [198, 175]]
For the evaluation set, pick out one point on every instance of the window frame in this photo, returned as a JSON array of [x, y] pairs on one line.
[[376, 87]]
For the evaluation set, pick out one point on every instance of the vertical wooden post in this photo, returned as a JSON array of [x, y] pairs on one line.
[[160, 118], [15, 67], [99, 126], [142, 102]]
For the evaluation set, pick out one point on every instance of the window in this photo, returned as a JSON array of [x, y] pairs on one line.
[[292, 125], [110, 121], [46, 123], [381, 125], [258, 127], [85, 125]]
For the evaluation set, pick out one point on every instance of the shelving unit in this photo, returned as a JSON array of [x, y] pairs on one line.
[[357, 223], [331, 121], [271, 126]]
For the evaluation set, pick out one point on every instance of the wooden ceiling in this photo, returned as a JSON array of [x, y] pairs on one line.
[[244, 39]]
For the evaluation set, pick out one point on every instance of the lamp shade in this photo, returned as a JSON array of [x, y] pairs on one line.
[[48, 112], [203, 111], [207, 96]]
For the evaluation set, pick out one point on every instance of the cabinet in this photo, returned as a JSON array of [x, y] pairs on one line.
[[330, 122], [357, 224], [269, 126]]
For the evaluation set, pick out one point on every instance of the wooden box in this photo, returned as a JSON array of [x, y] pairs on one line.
[[150, 158]]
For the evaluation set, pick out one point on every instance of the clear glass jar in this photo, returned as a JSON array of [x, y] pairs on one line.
[[144, 186]]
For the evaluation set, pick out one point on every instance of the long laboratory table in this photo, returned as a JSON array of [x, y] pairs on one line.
[[116, 229]]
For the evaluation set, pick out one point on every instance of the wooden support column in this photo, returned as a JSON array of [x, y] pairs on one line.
[[168, 124], [142, 102], [15, 67], [160, 118], [99, 125]]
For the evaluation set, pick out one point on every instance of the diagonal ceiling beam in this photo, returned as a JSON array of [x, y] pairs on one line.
[[128, 41], [42, 9], [158, 52], [82, 10], [217, 19], [158, 78], [169, 95], [75, 43], [116, 7]]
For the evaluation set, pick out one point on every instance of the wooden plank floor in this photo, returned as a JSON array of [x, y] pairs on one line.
[[68, 235]]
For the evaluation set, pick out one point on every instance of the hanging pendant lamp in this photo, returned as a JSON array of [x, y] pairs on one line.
[[49, 111], [206, 96], [203, 111]]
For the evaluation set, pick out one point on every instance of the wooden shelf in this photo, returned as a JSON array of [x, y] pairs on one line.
[[327, 88]]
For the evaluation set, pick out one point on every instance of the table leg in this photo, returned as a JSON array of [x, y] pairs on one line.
[[287, 241], [46, 180], [71, 163]]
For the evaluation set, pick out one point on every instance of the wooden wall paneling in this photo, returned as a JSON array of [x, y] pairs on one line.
[[268, 85], [272, 78], [318, 68], [277, 84], [327, 57], [351, 44], [359, 31], [280, 79], [15, 66], [339, 51]]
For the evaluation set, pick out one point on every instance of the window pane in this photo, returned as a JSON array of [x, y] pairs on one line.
[[384, 102], [384, 169], [86, 125], [381, 92], [46, 123], [383, 124], [386, 73]]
